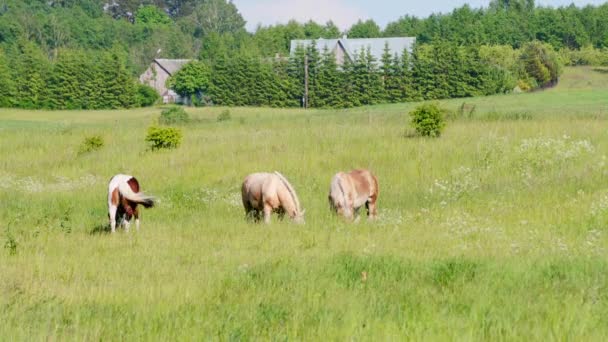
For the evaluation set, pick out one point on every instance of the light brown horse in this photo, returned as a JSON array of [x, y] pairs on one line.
[[350, 191], [123, 198], [270, 192]]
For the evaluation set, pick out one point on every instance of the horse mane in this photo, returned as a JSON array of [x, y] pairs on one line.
[[292, 192], [343, 192]]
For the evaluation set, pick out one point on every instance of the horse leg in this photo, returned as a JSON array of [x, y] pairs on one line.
[[112, 215], [372, 210], [281, 213], [250, 213], [136, 215], [128, 214], [127, 224], [267, 213], [356, 217]]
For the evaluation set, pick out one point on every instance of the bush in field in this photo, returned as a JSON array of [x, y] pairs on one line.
[[163, 137], [10, 244], [91, 144], [146, 95], [587, 55], [224, 116], [541, 63], [174, 116], [428, 120]]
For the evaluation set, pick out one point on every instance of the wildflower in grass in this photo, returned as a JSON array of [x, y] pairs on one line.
[[490, 150], [537, 155], [462, 182], [593, 242], [390, 217], [600, 207]]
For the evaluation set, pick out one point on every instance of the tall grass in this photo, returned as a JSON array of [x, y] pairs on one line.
[[496, 230]]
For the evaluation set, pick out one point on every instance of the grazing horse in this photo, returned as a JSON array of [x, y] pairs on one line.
[[350, 191], [123, 198], [270, 192]]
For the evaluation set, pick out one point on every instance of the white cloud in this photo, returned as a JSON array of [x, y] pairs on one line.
[[269, 12]]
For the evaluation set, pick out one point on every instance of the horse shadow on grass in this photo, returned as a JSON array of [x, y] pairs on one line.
[[601, 70], [100, 229]]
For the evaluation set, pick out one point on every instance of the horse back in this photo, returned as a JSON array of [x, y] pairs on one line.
[[364, 182]]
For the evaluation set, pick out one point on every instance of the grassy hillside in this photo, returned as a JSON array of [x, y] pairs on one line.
[[497, 230]]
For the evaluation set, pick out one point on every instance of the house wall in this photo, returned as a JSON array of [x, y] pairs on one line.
[[155, 77]]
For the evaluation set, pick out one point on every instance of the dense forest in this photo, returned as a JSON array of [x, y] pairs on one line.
[[87, 54]]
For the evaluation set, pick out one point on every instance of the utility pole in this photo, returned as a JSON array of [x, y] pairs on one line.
[[305, 81]]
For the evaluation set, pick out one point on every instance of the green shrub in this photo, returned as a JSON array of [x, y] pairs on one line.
[[587, 55], [146, 95], [163, 137], [428, 120], [541, 63], [174, 116], [91, 144], [224, 116], [10, 244]]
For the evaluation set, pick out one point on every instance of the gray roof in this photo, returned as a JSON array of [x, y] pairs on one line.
[[171, 66], [354, 46], [321, 44]]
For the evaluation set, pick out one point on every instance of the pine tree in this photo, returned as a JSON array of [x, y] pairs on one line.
[[394, 81], [329, 91], [295, 71], [314, 59], [8, 89], [286, 88], [117, 88], [388, 74], [422, 70], [406, 77], [221, 88], [67, 82], [30, 79], [442, 72], [375, 89], [354, 70]]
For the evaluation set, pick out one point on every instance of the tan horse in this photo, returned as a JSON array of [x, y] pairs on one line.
[[350, 191], [123, 198], [270, 192]]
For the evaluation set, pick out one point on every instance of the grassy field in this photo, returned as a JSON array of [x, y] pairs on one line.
[[495, 231]]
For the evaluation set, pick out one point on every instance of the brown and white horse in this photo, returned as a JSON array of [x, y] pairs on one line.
[[123, 198], [350, 191], [270, 192]]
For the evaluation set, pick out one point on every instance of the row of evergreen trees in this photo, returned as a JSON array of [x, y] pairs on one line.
[[431, 71], [78, 79], [74, 80]]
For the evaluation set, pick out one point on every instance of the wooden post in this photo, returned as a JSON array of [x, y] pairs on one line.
[[305, 81]]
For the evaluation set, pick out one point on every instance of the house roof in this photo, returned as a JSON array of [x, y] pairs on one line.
[[354, 46], [171, 66]]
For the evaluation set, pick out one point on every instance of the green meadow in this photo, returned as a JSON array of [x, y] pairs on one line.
[[497, 230]]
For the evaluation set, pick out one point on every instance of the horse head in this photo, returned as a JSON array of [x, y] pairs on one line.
[[299, 216]]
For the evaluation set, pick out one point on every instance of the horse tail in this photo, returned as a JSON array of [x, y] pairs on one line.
[[292, 192], [138, 197]]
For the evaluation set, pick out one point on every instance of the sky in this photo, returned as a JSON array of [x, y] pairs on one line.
[[344, 13]]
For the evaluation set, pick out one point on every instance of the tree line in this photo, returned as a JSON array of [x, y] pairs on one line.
[[61, 53], [76, 79], [431, 71]]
